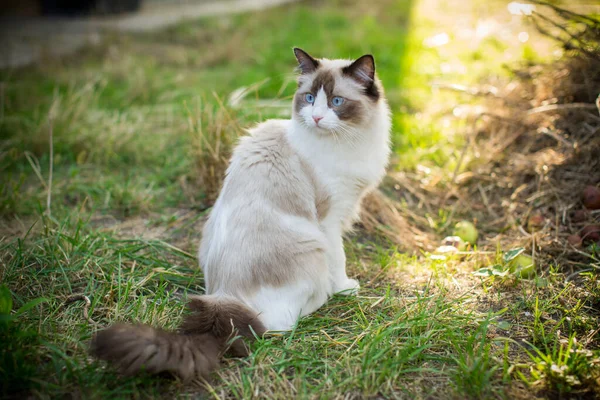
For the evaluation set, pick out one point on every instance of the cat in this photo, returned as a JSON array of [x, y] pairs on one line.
[[272, 248]]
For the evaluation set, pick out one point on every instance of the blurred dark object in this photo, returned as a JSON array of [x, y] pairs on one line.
[[86, 7], [23, 8], [116, 6], [69, 8]]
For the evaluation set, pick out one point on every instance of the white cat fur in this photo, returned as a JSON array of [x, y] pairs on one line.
[[273, 240]]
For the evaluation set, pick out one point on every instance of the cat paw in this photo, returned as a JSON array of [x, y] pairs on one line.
[[347, 288]]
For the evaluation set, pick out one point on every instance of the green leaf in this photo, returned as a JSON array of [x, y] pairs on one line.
[[494, 270], [504, 325], [512, 254], [30, 304], [6, 302], [483, 272]]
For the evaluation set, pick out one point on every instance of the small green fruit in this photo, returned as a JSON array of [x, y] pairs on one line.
[[466, 231], [524, 266]]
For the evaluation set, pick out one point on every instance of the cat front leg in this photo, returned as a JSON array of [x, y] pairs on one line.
[[336, 263]]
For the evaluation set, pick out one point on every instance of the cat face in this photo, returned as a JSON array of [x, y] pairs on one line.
[[335, 97]]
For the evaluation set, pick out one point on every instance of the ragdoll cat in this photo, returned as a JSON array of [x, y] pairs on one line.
[[272, 248]]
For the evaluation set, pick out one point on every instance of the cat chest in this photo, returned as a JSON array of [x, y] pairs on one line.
[[341, 197]]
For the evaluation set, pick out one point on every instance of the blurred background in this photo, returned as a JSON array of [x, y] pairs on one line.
[[129, 85]]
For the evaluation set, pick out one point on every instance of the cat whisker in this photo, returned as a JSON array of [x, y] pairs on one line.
[[349, 134]]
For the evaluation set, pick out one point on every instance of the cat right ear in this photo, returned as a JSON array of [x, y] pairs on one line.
[[306, 63]]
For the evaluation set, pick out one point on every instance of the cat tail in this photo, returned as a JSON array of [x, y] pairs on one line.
[[214, 326]]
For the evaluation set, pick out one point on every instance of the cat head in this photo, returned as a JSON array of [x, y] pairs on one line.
[[335, 96]]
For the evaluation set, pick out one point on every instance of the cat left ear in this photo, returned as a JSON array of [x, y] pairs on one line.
[[362, 70], [306, 63]]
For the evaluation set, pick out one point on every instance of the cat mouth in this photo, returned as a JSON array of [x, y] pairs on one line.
[[322, 127], [323, 130]]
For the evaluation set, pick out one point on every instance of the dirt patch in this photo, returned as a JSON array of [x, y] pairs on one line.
[[181, 228]]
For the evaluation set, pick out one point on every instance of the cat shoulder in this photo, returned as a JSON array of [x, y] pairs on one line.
[[270, 128], [265, 140]]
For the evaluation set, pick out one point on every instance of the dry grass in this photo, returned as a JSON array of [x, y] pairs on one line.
[[532, 146], [214, 131], [540, 143], [381, 215]]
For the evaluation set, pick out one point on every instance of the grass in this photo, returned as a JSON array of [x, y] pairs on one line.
[[141, 129]]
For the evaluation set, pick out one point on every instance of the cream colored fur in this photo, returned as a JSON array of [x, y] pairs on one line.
[[274, 236]]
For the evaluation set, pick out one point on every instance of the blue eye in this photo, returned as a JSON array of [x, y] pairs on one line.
[[337, 101], [309, 98]]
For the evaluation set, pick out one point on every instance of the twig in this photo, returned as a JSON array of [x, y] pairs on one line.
[[35, 165], [563, 12], [86, 306], [568, 44], [463, 152], [556, 107], [559, 26], [177, 249], [473, 91], [507, 120], [486, 201], [568, 278], [590, 336], [523, 231], [556, 137], [49, 198]]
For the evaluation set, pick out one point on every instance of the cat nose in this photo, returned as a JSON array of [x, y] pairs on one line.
[[317, 119]]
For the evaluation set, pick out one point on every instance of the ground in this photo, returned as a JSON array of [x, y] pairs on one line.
[[111, 158]]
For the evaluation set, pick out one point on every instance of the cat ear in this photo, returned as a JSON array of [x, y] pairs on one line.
[[306, 63], [362, 70]]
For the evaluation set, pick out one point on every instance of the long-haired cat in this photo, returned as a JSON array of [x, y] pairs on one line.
[[272, 247]]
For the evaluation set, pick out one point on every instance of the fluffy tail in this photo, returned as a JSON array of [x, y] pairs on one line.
[[194, 351]]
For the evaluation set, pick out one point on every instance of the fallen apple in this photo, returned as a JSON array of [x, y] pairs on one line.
[[591, 198], [535, 222], [590, 233], [466, 231], [574, 240], [580, 216], [523, 266]]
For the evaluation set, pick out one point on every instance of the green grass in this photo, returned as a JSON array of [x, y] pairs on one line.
[[378, 342], [134, 123]]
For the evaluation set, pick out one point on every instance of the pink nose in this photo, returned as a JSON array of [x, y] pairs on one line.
[[317, 119]]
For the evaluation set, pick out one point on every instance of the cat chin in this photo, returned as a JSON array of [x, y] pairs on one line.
[[325, 133], [321, 130]]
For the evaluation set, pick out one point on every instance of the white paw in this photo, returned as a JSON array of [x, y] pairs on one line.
[[347, 288]]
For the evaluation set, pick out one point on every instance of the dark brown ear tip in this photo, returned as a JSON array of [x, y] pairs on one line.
[[298, 52], [370, 58], [306, 62]]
